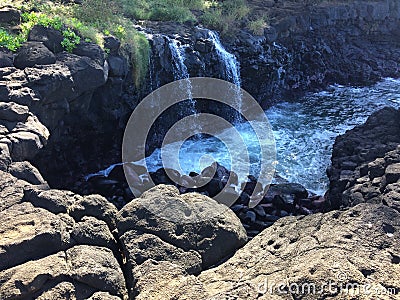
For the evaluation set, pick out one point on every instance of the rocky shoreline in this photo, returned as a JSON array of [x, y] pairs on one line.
[[59, 244]]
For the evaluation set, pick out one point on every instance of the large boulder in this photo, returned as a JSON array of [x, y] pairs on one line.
[[33, 53], [49, 36], [190, 222], [30, 233], [90, 269], [191, 231], [9, 15], [337, 255]]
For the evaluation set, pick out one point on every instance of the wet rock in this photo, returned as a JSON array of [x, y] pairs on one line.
[[184, 221], [33, 53]]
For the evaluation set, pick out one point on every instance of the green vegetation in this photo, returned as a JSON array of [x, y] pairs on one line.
[[94, 19], [10, 41], [258, 25]]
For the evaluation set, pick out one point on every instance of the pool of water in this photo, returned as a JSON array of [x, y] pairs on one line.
[[304, 134]]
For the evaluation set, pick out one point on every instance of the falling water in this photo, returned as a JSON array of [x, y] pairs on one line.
[[231, 70], [180, 70]]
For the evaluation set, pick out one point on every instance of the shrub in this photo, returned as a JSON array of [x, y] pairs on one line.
[[71, 40], [257, 26], [10, 41]]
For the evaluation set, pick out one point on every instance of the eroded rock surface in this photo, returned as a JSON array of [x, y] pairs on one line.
[[296, 256]]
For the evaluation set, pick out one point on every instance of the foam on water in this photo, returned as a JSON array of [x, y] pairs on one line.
[[304, 132]]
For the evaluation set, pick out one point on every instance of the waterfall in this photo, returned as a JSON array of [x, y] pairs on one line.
[[180, 72], [231, 67], [231, 64]]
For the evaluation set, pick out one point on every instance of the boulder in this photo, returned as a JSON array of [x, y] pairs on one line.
[[25, 171], [96, 267], [141, 247], [90, 50], [165, 280], [29, 233], [190, 222], [6, 60], [85, 269], [9, 15], [351, 248], [91, 231], [11, 190], [55, 201], [95, 206], [49, 36], [11, 111], [33, 53]]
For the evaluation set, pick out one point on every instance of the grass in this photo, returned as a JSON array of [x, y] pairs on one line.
[[94, 19]]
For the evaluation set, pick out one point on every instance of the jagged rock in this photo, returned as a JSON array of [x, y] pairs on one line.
[[33, 53], [49, 36], [11, 111], [29, 233], [25, 171], [190, 221]]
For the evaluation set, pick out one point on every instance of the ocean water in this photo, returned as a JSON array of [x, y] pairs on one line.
[[304, 133]]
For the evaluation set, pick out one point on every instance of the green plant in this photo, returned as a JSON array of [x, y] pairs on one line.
[[10, 41], [257, 26], [225, 16], [71, 40]]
